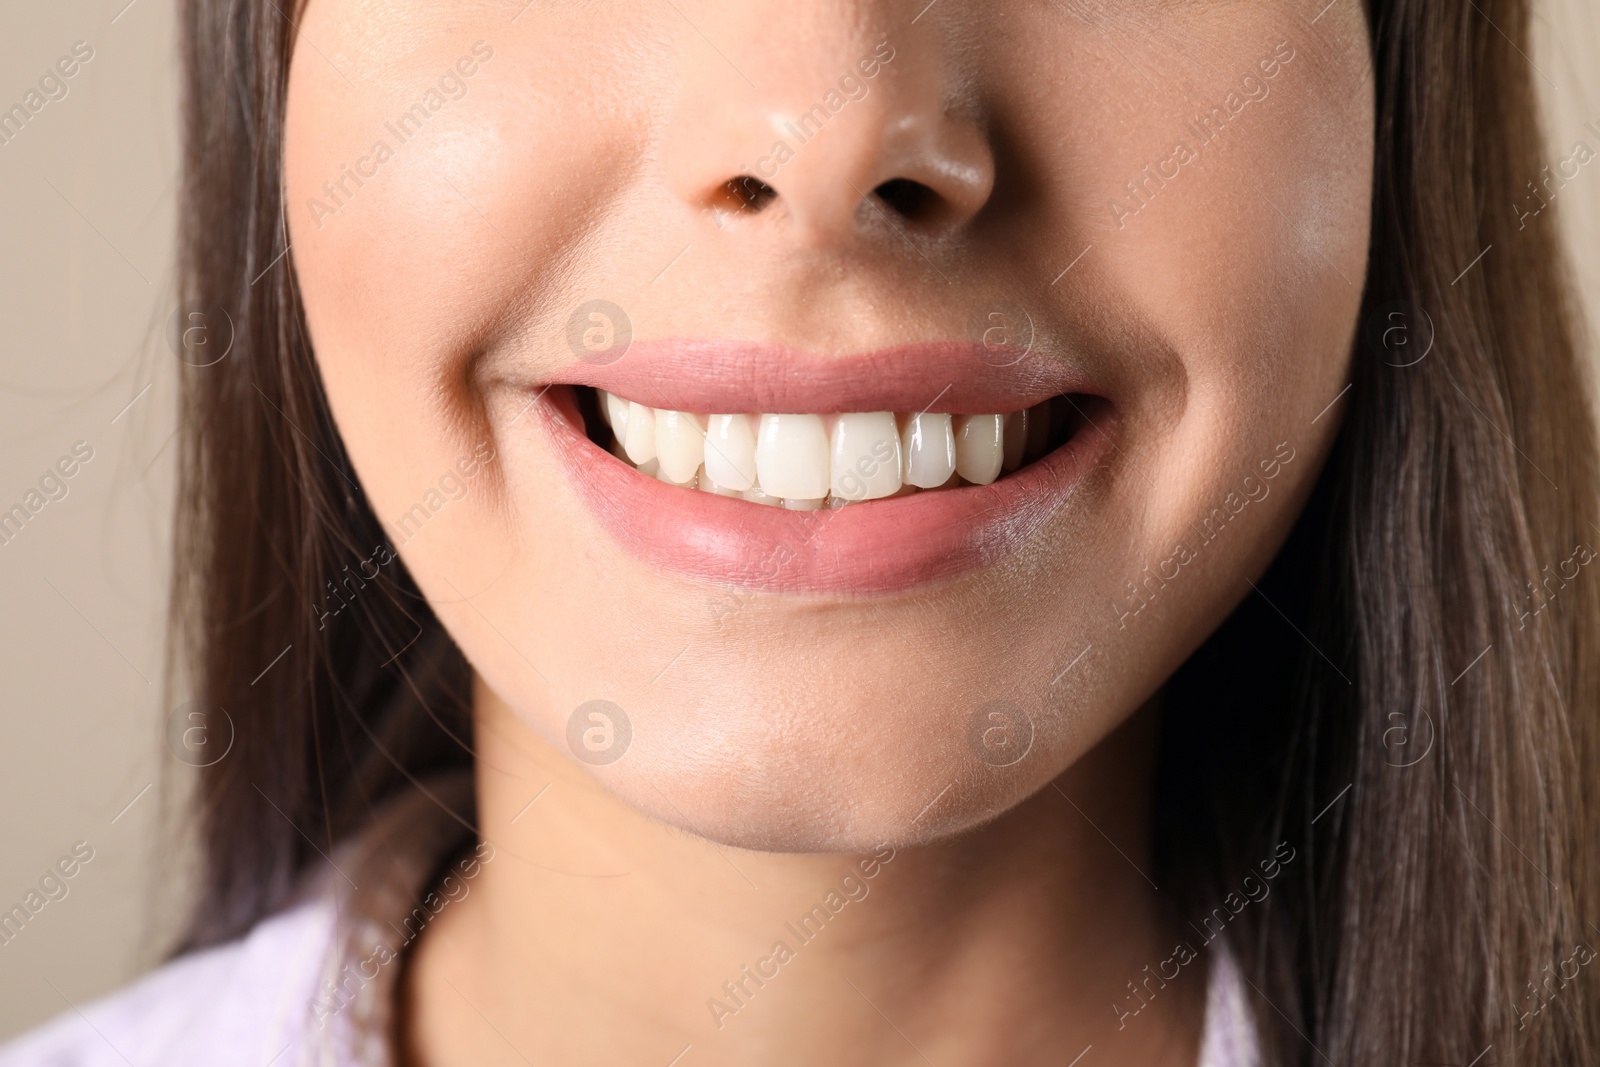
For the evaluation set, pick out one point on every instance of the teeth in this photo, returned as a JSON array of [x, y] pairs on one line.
[[865, 456], [616, 412], [792, 457], [705, 484], [680, 446], [929, 446], [980, 447], [756, 496], [663, 476], [639, 438], [731, 451], [808, 462]]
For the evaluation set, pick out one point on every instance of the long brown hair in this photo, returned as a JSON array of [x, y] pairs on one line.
[[1420, 734]]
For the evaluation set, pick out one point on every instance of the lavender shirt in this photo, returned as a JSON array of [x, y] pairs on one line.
[[257, 1002]]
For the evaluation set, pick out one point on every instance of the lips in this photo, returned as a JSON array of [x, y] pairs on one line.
[[871, 543], [956, 377]]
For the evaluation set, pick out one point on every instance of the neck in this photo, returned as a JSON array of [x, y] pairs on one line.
[[597, 934]]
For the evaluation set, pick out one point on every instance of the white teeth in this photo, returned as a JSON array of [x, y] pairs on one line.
[[705, 484], [1016, 435], [731, 451], [980, 448], [639, 439], [808, 462], [680, 446], [662, 476], [616, 412], [865, 456], [756, 496], [929, 447], [792, 457]]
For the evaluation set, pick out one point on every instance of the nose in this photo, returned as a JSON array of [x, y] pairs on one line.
[[830, 137]]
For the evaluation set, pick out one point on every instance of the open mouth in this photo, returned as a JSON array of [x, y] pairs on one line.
[[880, 471], [807, 462]]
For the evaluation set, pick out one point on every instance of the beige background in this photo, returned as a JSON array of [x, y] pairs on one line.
[[89, 190]]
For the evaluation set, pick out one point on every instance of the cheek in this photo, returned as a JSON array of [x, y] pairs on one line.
[[1230, 257], [1252, 262], [414, 231], [473, 220], [1234, 229], [481, 199]]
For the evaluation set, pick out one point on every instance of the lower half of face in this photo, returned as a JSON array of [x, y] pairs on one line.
[[827, 425]]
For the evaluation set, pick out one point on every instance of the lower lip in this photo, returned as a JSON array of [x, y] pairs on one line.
[[872, 548]]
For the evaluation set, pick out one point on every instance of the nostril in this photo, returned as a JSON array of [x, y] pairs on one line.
[[746, 193], [908, 198]]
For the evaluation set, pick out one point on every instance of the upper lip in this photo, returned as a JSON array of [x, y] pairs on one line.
[[714, 376]]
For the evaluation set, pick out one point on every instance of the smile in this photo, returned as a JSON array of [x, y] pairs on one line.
[[676, 449], [805, 462]]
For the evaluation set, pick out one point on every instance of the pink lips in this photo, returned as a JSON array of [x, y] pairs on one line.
[[872, 548], [954, 376]]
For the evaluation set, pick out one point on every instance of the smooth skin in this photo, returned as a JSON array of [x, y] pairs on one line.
[[586, 157]]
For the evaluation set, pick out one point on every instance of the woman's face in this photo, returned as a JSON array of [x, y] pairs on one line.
[[768, 217]]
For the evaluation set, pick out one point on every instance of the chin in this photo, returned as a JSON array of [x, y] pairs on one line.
[[825, 775]]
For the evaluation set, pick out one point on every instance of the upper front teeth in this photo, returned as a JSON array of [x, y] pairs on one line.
[[929, 445], [639, 433], [981, 448], [864, 456], [730, 452], [680, 445], [792, 457], [808, 461]]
